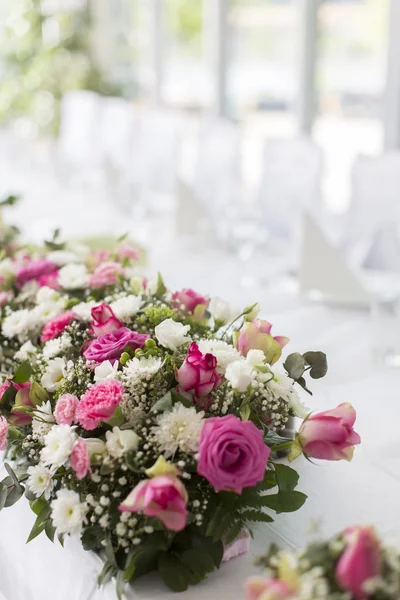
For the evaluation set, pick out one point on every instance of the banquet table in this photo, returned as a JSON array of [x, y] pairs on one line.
[[340, 494]]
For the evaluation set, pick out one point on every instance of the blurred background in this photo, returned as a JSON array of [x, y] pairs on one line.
[[215, 123]]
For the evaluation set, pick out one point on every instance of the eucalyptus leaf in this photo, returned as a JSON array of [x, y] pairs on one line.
[[92, 537], [14, 494], [295, 364], [3, 495], [318, 363]]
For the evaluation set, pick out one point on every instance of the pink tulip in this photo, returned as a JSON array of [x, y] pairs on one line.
[[359, 562], [329, 435], [104, 320], [22, 399], [266, 588], [198, 375], [188, 300], [163, 497], [257, 336]]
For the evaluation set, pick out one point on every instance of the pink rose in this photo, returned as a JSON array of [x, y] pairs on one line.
[[3, 433], [80, 460], [266, 588], [64, 412], [106, 274], [187, 299], [198, 375], [163, 497], [104, 321], [99, 403], [127, 251], [56, 326], [232, 453], [49, 280], [257, 336], [5, 297], [111, 345], [35, 269], [16, 417], [329, 435], [98, 257], [359, 562]]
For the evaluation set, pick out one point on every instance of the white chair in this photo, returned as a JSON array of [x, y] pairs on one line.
[[291, 182], [371, 237]]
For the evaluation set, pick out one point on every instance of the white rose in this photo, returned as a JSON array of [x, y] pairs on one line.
[[171, 334], [121, 441], [240, 374], [220, 309], [105, 371], [54, 374], [255, 309]]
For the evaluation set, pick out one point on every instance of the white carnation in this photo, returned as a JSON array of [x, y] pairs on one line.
[[240, 374], [224, 353], [106, 370], [126, 307], [282, 386], [54, 374], [220, 309], [68, 512], [73, 277], [171, 334], [137, 368], [179, 429], [84, 310], [59, 443], [39, 481], [121, 441]]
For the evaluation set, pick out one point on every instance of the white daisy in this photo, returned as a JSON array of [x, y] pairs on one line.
[[179, 429], [68, 512], [43, 420], [59, 443], [39, 481], [17, 324], [84, 310], [73, 277], [25, 351], [224, 353], [282, 386], [126, 307], [54, 374], [142, 367]]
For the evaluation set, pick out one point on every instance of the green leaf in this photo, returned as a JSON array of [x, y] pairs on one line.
[[272, 350], [3, 495], [197, 561], [174, 574], [120, 585], [106, 574], [37, 394], [234, 531], [14, 434], [161, 287], [117, 419], [110, 553], [40, 523], [286, 478], [38, 505], [14, 494], [214, 548], [164, 404], [295, 364], [8, 398], [92, 537], [23, 373], [13, 476], [284, 501], [318, 363], [179, 398], [268, 482], [10, 200], [50, 530], [256, 516]]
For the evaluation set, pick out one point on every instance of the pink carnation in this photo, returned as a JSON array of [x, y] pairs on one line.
[[127, 251], [49, 280], [80, 461], [106, 274], [111, 345], [65, 409], [56, 326], [35, 269], [99, 403], [3, 433]]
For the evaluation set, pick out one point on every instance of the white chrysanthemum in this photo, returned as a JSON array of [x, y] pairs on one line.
[[62, 257], [28, 291], [39, 481], [282, 386], [68, 512], [255, 357], [54, 374], [223, 352], [43, 313], [179, 429], [59, 443], [73, 277], [25, 351], [106, 370], [17, 324], [121, 441], [240, 374], [126, 307], [84, 310], [56, 345], [220, 309], [171, 334], [138, 368], [43, 420], [46, 295]]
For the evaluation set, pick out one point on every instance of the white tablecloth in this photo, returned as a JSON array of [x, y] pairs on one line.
[[364, 491]]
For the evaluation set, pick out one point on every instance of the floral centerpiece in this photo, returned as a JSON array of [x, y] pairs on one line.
[[353, 565], [148, 422]]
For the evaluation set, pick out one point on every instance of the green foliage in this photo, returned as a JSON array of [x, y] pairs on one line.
[[11, 489], [23, 373], [297, 365]]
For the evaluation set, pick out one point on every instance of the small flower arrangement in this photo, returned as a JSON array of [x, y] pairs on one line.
[[149, 422], [353, 565]]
